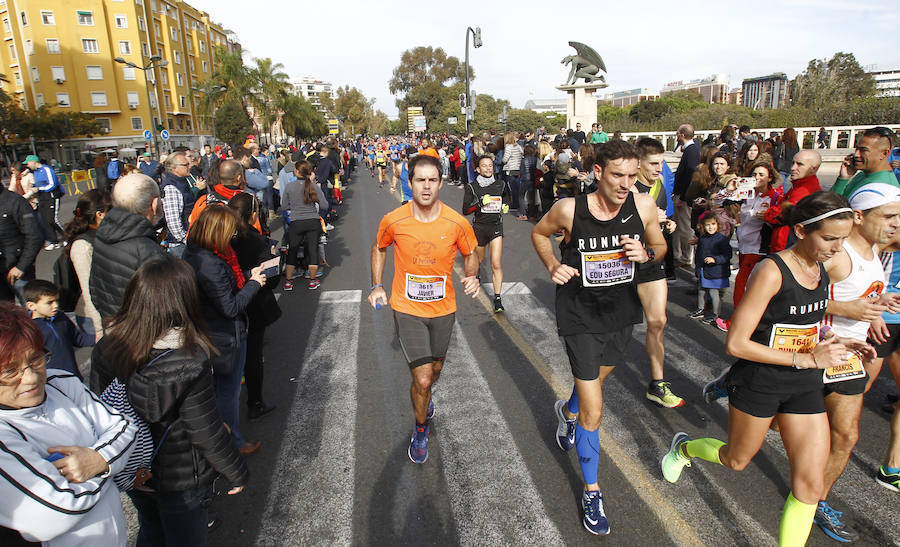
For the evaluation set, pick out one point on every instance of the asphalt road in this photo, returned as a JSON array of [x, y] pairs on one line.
[[333, 467]]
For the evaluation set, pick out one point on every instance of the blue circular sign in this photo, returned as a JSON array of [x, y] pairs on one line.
[[164, 134], [147, 135]]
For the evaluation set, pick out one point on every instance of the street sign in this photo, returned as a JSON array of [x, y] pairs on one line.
[[147, 135], [419, 123], [452, 120], [411, 113], [164, 134], [333, 127]]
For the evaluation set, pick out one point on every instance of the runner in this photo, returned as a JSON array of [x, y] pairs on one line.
[[605, 233], [370, 157], [396, 160], [426, 235], [857, 284], [487, 199], [380, 163], [653, 289], [775, 336]]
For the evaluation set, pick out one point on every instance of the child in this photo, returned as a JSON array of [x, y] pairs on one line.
[[713, 259], [61, 336]]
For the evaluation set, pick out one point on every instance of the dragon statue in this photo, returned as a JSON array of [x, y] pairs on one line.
[[586, 63]]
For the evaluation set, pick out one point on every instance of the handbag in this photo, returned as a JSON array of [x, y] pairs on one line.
[[137, 469]]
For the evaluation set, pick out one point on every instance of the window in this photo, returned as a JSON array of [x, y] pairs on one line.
[[35, 74], [202, 46], [157, 30], [128, 73], [39, 100], [18, 77], [139, 2], [62, 100], [179, 78], [105, 125], [98, 98], [90, 45], [124, 47], [133, 98], [29, 47], [177, 56], [182, 101], [94, 72], [58, 73], [53, 45], [165, 77], [24, 19], [170, 123], [153, 6], [6, 26], [12, 52], [191, 62], [167, 100], [174, 32], [137, 124], [141, 24], [121, 21], [85, 18], [205, 66]]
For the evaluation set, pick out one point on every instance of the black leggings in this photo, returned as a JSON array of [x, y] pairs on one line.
[[253, 368], [305, 232], [48, 208]]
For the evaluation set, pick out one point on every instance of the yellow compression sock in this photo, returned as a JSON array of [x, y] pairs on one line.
[[796, 522], [705, 449]]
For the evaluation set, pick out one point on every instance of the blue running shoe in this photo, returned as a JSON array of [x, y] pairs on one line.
[[595, 520], [565, 428], [430, 414], [418, 445], [829, 521], [716, 389]]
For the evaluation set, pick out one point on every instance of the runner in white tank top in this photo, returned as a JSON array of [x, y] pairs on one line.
[[866, 280]]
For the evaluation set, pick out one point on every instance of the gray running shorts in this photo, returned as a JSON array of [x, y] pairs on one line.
[[423, 339]]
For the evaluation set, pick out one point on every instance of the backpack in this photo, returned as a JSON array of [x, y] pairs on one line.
[[462, 154], [65, 277], [561, 169], [112, 170], [137, 469]]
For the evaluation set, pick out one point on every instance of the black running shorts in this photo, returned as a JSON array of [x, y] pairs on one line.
[[766, 405], [589, 351], [423, 339], [650, 271], [893, 344], [484, 233], [856, 386]]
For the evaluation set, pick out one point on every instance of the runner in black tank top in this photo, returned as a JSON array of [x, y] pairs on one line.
[[607, 233], [778, 375]]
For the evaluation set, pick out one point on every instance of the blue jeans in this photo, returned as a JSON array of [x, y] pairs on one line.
[[228, 394], [172, 519]]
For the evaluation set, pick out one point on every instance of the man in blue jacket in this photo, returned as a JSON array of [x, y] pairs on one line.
[[49, 192], [150, 166]]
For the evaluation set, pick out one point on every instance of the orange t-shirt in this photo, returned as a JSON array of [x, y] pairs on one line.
[[423, 259], [430, 152]]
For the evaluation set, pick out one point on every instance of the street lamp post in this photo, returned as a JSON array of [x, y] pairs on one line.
[[476, 41], [159, 63]]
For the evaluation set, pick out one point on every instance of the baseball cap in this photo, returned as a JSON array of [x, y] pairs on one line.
[[146, 154], [874, 195], [31, 157]]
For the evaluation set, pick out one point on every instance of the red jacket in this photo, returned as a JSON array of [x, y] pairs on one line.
[[800, 188]]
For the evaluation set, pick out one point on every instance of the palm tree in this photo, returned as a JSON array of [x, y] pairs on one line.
[[270, 85], [230, 82]]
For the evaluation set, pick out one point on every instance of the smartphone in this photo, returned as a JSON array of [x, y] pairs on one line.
[[55, 456], [270, 267]]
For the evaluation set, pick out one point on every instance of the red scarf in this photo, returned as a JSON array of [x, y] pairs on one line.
[[231, 258]]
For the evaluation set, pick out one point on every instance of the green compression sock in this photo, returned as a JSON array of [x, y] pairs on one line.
[[796, 522], [705, 449]]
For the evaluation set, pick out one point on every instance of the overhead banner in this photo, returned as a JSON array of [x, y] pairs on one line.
[[332, 127], [413, 112]]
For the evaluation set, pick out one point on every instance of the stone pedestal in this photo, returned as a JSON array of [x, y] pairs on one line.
[[582, 105]]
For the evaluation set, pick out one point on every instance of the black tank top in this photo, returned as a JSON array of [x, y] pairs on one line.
[[490, 213], [604, 297], [790, 323]]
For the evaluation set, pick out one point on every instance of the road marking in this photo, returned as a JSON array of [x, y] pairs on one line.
[[645, 486], [315, 456], [480, 484]]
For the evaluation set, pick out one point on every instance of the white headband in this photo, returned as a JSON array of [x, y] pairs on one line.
[[826, 215], [874, 195]]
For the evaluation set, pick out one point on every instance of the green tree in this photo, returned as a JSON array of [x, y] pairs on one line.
[[269, 84], [230, 82], [233, 124], [423, 65], [836, 80], [300, 118]]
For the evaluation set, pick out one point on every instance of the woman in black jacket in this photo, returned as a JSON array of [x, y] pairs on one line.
[[160, 349], [225, 294], [252, 249]]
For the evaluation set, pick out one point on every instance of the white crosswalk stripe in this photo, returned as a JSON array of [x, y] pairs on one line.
[[314, 450]]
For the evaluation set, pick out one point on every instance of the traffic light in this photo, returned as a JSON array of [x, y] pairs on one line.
[[462, 100], [159, 127]]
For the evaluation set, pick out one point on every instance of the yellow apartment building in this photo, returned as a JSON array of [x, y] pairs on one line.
[[61, 53]]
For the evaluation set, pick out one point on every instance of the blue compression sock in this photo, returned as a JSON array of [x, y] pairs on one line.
[[890, 470], [573, 402], [587, 444]]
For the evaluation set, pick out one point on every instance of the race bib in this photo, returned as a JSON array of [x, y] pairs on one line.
[[794, 338], [494, 204], [850, 370], [604, 268], [425, 288]]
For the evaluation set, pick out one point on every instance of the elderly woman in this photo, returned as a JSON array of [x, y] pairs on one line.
[[61, 446]]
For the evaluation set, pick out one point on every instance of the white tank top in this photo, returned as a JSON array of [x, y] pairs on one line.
[[866, 280]]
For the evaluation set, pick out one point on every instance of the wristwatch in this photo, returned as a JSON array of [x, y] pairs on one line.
[[650, 254]]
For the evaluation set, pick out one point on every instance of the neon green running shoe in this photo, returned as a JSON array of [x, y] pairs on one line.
[[891, 481], [660, 392], [674, 461]]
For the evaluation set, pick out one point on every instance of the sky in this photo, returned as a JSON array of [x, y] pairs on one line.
[[643, 43]]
